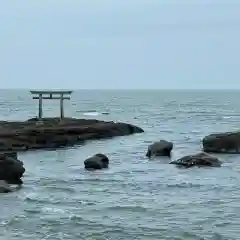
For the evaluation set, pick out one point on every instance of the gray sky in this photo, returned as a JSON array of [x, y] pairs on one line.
[[120, 44]]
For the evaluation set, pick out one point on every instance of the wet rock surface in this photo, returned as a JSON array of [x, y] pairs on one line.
[[199, 159], [228, 142], [11, 169], [98, 161], [161, 148], [55, 133]]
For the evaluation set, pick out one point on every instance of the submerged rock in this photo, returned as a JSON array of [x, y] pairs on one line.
[[11, 169], [200, 159], [4, 187], [98, 161], [228, 142], [161, 148]]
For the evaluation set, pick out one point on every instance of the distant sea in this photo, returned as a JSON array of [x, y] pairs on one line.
[[135, 198]]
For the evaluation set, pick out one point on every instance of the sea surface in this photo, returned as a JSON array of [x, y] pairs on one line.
[[135, 198]]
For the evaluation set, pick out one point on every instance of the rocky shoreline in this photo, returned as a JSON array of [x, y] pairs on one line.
[[52, 133]]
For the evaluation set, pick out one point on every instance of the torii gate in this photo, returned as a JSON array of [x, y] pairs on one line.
[[54, 95]]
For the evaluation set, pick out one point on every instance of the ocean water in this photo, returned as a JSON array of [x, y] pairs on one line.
[[135, 198]]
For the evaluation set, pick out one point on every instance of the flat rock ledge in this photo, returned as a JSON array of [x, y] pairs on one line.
[[54, 133], [228, 142]]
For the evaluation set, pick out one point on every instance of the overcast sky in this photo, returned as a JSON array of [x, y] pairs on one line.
[[79, 44]]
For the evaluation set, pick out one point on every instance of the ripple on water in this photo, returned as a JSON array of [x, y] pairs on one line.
[[136, 198]]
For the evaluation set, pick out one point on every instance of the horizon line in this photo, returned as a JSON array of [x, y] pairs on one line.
[[124, 89]]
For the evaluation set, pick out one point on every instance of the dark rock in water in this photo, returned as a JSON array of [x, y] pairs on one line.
[[4, 187], [200, 159], [161, 148], [228, 142], [10, 154], [98, 161], [11, 169], [55, 133]]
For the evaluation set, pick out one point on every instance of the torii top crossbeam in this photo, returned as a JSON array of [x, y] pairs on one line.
[[52, 95]]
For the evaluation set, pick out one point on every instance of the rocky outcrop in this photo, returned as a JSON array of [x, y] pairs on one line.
[[11, 169], [228, 142], [200, 159], [53, 133], [98, 161], [161, 148]]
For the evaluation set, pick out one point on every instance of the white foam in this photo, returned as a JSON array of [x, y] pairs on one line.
[[91, 113], [52, 210], [94, 113]]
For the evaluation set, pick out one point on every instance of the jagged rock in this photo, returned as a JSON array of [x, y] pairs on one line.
[[200, 159], [55, 133], [161, 148], [228, 142], [98, 161], [11, 169]]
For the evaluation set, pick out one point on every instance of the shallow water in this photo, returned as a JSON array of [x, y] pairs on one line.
[[135, 198]]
